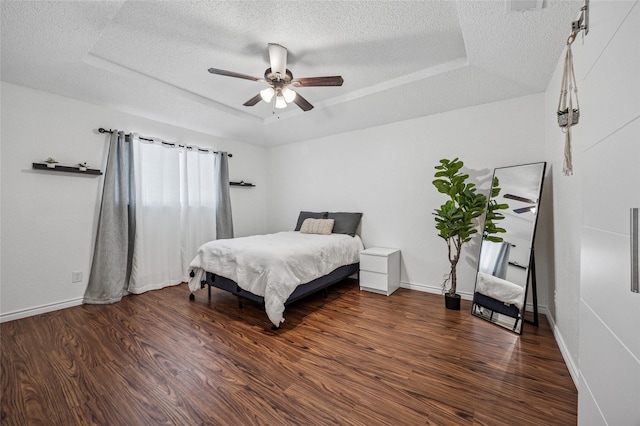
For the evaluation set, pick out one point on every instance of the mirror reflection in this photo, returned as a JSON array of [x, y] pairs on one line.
[[506, 267]]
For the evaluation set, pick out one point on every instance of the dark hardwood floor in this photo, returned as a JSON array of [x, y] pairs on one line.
[[352, 358]]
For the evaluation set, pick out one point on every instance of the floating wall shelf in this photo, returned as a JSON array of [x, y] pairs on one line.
[[67, 169], [242, 183]]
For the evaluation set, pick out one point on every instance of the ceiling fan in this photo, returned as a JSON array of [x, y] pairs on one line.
[[279, 79]]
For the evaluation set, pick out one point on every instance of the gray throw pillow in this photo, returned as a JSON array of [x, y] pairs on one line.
[[345, 223]]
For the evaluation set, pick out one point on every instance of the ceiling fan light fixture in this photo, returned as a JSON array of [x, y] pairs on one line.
[[280, 102], [288, 94], [267, 94], [278, 77]]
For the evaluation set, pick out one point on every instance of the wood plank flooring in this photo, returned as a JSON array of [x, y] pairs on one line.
[[353, 358]]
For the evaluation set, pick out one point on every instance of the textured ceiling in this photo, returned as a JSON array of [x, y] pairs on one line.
[[399, 59]]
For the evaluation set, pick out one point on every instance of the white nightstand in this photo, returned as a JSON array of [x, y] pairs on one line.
[[380, 270]]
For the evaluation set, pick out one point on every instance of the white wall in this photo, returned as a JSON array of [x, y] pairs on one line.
[[48, 219], [386, 173], [564, 279]]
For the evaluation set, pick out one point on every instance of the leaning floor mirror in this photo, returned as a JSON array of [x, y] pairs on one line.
[[506, 268]]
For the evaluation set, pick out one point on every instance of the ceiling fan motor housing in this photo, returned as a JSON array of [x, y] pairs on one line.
[[273, 77]]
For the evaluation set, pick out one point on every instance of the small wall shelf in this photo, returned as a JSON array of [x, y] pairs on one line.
[[242, 183], [67, 169]]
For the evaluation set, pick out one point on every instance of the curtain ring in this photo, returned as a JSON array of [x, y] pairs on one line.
[[571, 38]]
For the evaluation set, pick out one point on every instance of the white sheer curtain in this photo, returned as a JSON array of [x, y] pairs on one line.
[[198, 203], [175, 214]]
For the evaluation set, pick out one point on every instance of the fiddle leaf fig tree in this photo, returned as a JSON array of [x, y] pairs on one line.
[[494, 215], [455, 219]]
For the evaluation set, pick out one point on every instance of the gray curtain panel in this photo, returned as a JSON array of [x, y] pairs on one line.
[[113, 252], [502, 261], [224, 221]]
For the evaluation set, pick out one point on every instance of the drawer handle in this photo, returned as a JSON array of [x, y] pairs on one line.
[[634, 250]]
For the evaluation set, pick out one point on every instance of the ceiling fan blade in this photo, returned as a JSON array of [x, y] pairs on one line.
[[302, 103], [278, 58], [251, 102], [234, 74], [335, 80]]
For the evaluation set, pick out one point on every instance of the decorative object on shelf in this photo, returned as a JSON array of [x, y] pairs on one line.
[[242, 183], [51, 163], [456, 218], [82, 166], [67, 169]]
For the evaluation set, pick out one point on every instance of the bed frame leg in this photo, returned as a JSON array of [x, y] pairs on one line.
[[192, 296], [239, 303], [275, 327]]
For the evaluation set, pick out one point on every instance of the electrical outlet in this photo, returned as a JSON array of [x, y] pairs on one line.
[[76, 277]]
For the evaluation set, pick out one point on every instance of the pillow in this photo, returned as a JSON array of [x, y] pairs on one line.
[[345, 223], [306, 215], [317, 226]]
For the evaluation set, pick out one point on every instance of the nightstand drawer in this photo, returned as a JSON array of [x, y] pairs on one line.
[[374, 263], [374, 280], [380, 270]]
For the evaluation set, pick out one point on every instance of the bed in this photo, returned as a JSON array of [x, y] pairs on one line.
[[280, 268], [499, 295]]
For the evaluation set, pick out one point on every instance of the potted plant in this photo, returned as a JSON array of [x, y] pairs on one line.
[[51, 163], [493, 215], [82, 166], [456, 218], [563, 117]]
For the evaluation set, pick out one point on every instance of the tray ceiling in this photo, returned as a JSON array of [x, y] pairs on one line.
[[399, 60]]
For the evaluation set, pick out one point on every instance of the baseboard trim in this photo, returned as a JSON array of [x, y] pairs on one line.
[[42, 309], [432, 289], [566, 355]]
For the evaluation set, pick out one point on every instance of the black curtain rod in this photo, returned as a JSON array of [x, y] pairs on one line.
[[103, 130]]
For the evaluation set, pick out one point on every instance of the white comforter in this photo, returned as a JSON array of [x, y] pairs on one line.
[[502, 290], [273, 265]]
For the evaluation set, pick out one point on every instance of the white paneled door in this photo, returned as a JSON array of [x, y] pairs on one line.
[[609, 357], [609, 311]]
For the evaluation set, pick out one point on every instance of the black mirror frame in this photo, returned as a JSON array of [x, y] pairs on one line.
[[481, 301]]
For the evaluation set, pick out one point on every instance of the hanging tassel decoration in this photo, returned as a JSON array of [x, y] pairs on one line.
[[568, 106], [567, 167]]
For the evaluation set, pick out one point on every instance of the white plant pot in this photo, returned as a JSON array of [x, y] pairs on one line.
[[51, 165], [82, 169]]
